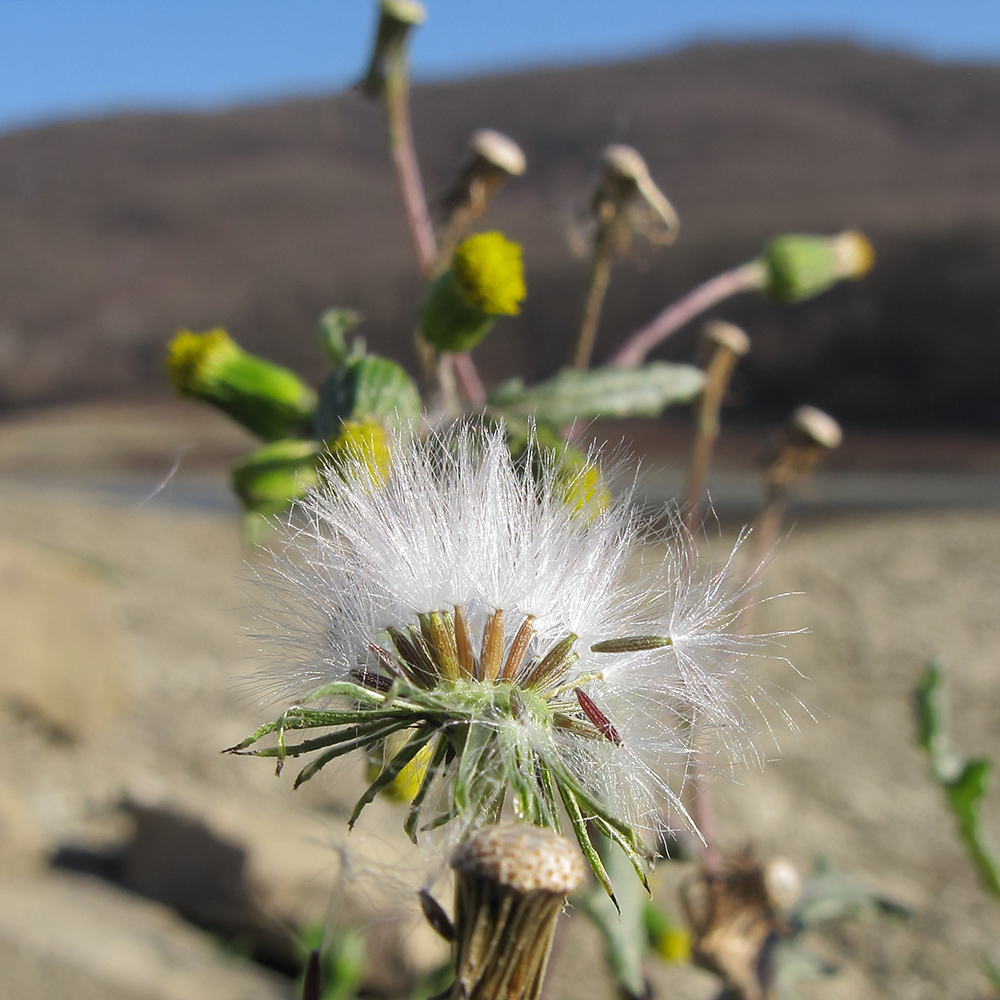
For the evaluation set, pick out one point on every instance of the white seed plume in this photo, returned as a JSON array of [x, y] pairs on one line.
[[455, 523]]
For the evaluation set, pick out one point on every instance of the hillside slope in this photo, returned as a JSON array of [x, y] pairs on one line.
[[118, 231]]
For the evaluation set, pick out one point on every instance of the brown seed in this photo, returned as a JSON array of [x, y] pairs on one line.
[[597, 717]]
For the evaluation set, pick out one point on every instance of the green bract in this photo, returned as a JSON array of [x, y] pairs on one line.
[[485, 280], [484, 720], [799, 267], [267, 399]]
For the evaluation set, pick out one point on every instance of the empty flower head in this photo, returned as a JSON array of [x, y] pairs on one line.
[[456, 613]]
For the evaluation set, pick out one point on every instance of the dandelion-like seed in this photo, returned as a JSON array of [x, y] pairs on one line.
[[504, 651]]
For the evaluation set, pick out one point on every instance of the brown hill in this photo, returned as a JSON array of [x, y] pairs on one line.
[[119, 230]]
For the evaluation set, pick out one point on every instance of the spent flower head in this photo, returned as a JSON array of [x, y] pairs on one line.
[[532, 658]]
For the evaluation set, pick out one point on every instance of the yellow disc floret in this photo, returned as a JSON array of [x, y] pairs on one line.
[[490, 271], [854, 253], [191, 356], [361, 445]]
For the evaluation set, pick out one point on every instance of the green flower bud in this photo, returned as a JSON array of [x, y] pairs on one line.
[[269, 480], [485, 280], [366, 388], [799, 267], [270, 401]]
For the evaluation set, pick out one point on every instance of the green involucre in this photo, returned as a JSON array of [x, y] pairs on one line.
[[269, 400]]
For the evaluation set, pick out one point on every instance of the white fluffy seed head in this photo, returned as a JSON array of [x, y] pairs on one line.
[[457, 523]]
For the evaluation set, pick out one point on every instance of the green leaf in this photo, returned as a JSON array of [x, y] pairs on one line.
[[829, 895], [931, 710], [964, 781], [334, 326], [965, 795], [364, 389], [991, 970], [579, 825], [601, 392]]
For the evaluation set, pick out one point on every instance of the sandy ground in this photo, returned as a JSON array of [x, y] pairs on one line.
[[122, 658]]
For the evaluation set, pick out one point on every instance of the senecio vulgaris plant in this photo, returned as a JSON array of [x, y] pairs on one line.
[[453, 592], [483, 608]]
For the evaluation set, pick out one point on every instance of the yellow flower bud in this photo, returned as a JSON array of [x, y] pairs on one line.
[[490, 270], [485, 280], [361, 445], [267, 399]]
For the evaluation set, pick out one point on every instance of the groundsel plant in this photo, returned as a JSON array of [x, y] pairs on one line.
[[448, 612]]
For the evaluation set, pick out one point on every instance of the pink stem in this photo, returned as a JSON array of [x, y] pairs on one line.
[[740, 279], [468, 379], [408, 172]]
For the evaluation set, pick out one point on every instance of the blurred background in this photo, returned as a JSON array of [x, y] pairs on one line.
[[208, 165], [200, 165]]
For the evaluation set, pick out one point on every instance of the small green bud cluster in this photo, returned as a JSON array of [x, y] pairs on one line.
[[305, 433]]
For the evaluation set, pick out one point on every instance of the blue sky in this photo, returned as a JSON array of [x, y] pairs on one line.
[[69, 58]]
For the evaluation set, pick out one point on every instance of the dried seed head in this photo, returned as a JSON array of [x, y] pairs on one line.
[[727, 335], [524, 858], [511, 882], [626, 162], [498, 150], [782, 884], [407, 11], [457, 617], [816, 427], [388, 58], [626, 185]]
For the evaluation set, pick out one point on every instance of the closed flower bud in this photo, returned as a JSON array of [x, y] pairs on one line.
[[485, 280], [270, 479], [366, 388], [799, 267], [626, 189], [361, 445], [270, 401]]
